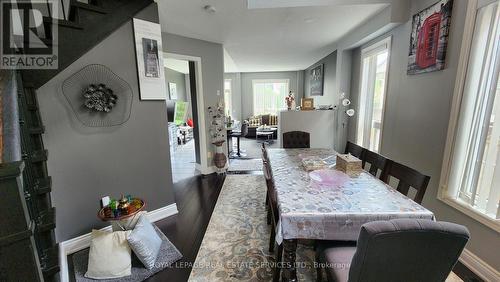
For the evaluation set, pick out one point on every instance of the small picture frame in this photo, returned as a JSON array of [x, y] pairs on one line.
[[307, 104]]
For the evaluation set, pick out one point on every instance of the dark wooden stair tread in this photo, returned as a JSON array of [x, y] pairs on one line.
[[46, 220], [62, 22], [88, 7], [43, 185], [49, 261]]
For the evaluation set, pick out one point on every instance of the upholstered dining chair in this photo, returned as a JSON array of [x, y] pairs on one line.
[[408, 177], [273, 217], [296, 139], [396, 250], [354, 150], [377, 163]]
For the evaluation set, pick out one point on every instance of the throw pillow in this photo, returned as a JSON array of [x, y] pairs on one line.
[[109, 255], [145, 242]]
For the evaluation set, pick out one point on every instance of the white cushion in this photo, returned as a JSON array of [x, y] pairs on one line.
[[109, 255]]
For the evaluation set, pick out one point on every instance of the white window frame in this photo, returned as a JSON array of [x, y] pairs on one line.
[[277, 80], [384, 44], [230, 98], [447, 194]]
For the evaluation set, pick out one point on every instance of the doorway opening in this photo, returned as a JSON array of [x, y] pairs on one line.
[[182, 115]]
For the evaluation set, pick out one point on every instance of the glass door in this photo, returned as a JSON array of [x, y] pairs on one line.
[[374, 72]]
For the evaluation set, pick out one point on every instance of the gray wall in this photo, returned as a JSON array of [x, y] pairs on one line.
[[416, 121], [89, 163], [296, 85], [235, 95], [180, 80], [328, 98], [9, 130], [212, 64]]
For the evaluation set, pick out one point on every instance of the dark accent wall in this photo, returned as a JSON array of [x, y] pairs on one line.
[[89, 163], [329, 80]]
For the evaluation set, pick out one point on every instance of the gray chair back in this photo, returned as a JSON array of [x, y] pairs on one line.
[[407, 250]]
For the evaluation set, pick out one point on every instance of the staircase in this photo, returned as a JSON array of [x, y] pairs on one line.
[[80, 26]]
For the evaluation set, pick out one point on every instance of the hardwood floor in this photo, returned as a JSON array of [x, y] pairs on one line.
[[196, 198]]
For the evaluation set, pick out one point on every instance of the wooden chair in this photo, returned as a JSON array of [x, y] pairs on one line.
[[376, 161], [296, 139], [273, 217], [354, 150], [408, 177]]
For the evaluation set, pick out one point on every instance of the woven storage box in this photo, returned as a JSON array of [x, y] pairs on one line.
[[348, 164]]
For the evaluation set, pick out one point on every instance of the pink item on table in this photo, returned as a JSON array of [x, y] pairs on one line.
[[329, 177]]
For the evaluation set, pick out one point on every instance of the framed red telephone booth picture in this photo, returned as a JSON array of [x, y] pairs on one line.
[[429, 38]]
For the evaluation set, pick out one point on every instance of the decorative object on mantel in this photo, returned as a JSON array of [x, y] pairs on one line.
[[307, 104], [217, 133], [348, 164], [316, 76], [429, 38], [289, 99], [98, 97]]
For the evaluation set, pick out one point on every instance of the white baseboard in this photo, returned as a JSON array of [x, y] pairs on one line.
[[479, 267], [81, 242]]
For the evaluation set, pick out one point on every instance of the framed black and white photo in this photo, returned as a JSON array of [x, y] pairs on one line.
[[172, 91], [316, 76], [150, 70]]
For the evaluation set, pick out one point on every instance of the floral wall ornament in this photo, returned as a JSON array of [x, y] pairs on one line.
[[99, 98]]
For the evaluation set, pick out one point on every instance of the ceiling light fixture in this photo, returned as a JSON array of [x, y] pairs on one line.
[[210, 9]]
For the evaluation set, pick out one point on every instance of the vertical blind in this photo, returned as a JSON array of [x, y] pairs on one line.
[[269, 96]]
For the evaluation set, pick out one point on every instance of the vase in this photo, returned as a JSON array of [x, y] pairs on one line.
[[220, 158], [289, 105]]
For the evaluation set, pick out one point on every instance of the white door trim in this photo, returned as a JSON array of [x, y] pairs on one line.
[[203, 168]]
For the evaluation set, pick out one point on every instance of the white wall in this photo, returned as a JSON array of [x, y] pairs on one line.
[[416, 121]]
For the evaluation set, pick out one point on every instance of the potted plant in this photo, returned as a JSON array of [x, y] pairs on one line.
[[217, 133]]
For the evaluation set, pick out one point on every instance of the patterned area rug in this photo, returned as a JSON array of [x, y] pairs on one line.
[[236, 165], [235, 246]]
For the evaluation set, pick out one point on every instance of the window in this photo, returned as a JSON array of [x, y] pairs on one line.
[[227, 97], [472, 170], [374, 68], [269, 95]]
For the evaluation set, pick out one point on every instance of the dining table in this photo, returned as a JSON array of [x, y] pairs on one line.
[[310, 208]]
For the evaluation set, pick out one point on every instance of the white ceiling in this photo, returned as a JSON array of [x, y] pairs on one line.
[[177, 65], [281, 38]]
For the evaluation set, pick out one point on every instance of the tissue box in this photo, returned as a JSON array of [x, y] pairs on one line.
[[348, 164]]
